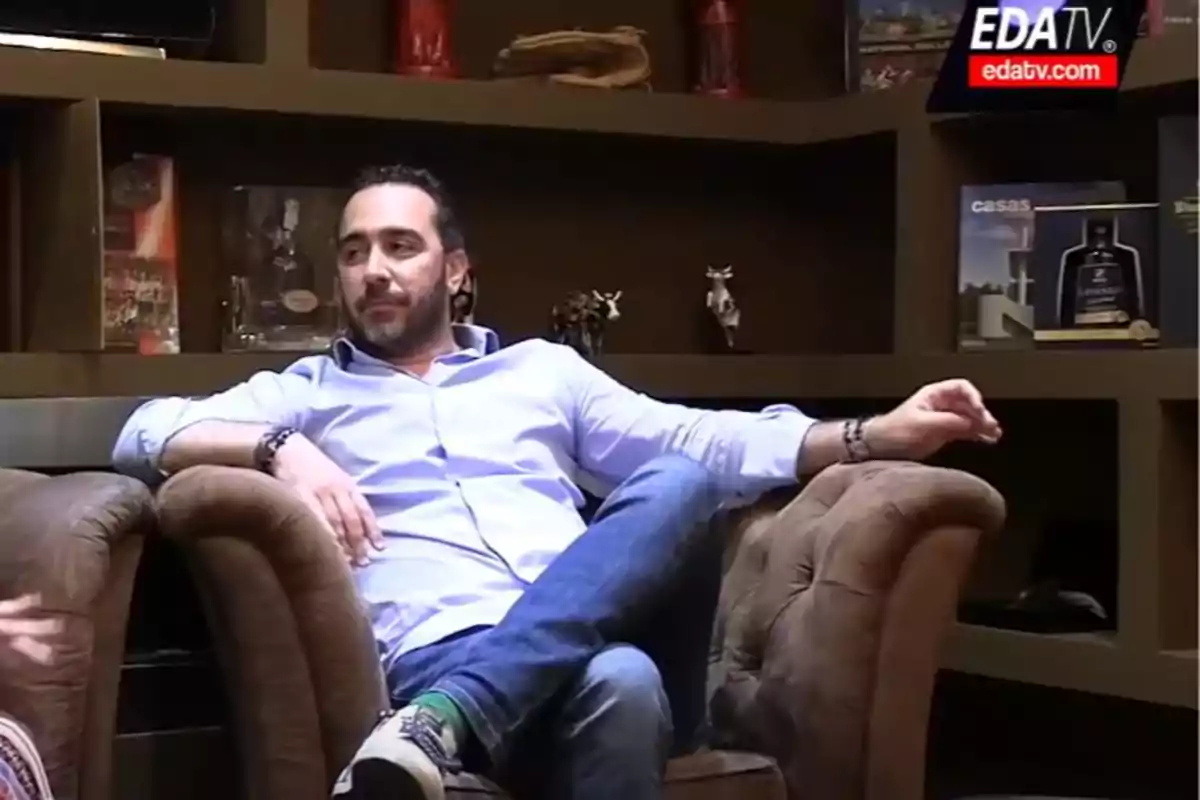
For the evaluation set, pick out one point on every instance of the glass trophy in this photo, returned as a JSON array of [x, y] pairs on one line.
[[282, 292]]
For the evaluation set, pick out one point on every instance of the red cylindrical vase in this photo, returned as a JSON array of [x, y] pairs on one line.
[[423, 39], [718, 49]]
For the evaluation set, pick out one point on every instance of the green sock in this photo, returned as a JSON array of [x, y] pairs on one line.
[[447, 711]]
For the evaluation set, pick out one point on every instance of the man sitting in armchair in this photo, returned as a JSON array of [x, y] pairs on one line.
[[448, 470]]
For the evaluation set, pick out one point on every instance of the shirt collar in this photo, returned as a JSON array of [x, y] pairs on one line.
[[474, 341]]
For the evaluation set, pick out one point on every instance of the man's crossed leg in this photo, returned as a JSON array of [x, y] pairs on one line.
[[599, 668]]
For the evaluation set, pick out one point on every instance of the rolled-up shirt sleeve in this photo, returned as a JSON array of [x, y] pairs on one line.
[[619, 429], [266, 398]]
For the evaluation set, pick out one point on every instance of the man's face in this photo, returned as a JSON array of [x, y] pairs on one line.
[[396, 277]]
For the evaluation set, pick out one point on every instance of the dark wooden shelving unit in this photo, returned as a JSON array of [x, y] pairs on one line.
[[1168, 375], [839, 213]]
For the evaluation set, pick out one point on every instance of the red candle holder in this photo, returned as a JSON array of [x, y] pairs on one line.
[[719, 49], [423, 39]]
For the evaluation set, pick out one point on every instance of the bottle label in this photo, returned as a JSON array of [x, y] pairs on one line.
[[300, 301], [1100, 296]]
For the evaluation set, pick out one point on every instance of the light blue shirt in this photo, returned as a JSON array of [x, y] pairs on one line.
[[474, 470]]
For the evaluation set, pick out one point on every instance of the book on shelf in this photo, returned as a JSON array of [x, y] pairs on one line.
[[890, 43], [1166, 16], [1178, 217], [141, 301]]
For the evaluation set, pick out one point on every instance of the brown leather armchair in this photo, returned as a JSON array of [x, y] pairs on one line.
[[833, 608], [77, 540]]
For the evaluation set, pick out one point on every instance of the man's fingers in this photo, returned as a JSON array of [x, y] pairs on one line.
[[370, 524], [36, 651], [947, 424], [962, 396], [19, 605], [318, 510], [333, 518], [974, 399], [30, 627], [352, 525]]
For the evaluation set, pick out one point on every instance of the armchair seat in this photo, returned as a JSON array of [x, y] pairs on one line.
[[834, 605], [713, 775]]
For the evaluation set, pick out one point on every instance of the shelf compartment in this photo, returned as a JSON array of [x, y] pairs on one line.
[[1056, 467], [545, 214], [234, 33], [1162, 62], [52, 278], [1177, 533], [790, 50], [992, 737], [10, 234], [240, 35], [1081, 662], [1084, 661], [978, 150]]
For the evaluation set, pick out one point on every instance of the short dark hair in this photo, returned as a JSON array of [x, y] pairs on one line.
[[447, 224]]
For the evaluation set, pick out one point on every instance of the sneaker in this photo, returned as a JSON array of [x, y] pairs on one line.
[[22, 774], [404, 758]]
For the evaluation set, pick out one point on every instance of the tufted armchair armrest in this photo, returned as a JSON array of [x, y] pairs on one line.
[[833, 612], [291, 636], [76, 540]]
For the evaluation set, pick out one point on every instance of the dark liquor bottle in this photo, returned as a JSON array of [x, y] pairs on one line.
[[295, 296], [423, 39], [1100, 281]]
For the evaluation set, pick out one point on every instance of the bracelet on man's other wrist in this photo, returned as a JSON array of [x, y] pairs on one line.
[[854, 438], [268, 447]]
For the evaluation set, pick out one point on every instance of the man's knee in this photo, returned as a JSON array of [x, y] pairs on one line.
[[621, 690], [676, 478]]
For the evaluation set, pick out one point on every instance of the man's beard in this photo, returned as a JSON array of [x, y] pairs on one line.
[[424, 322]]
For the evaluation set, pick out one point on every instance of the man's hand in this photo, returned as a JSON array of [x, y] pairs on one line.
[[332, 496], [937, 414], [23, 633]]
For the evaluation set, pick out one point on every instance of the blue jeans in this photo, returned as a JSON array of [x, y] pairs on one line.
[[600, 667]]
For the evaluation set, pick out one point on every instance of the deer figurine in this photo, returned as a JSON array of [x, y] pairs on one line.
[[604, 310], [581, 319], [721, 303]]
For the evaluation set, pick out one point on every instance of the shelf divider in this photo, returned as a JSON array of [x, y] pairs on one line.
[[62, 213], [1139, 434], [286, 33], [926, 296]]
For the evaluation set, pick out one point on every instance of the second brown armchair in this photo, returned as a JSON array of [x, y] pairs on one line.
[[833, 609], [76, 541]]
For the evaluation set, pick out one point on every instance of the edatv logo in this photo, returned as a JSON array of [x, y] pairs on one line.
[[1013, 28], [1021, 54]]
